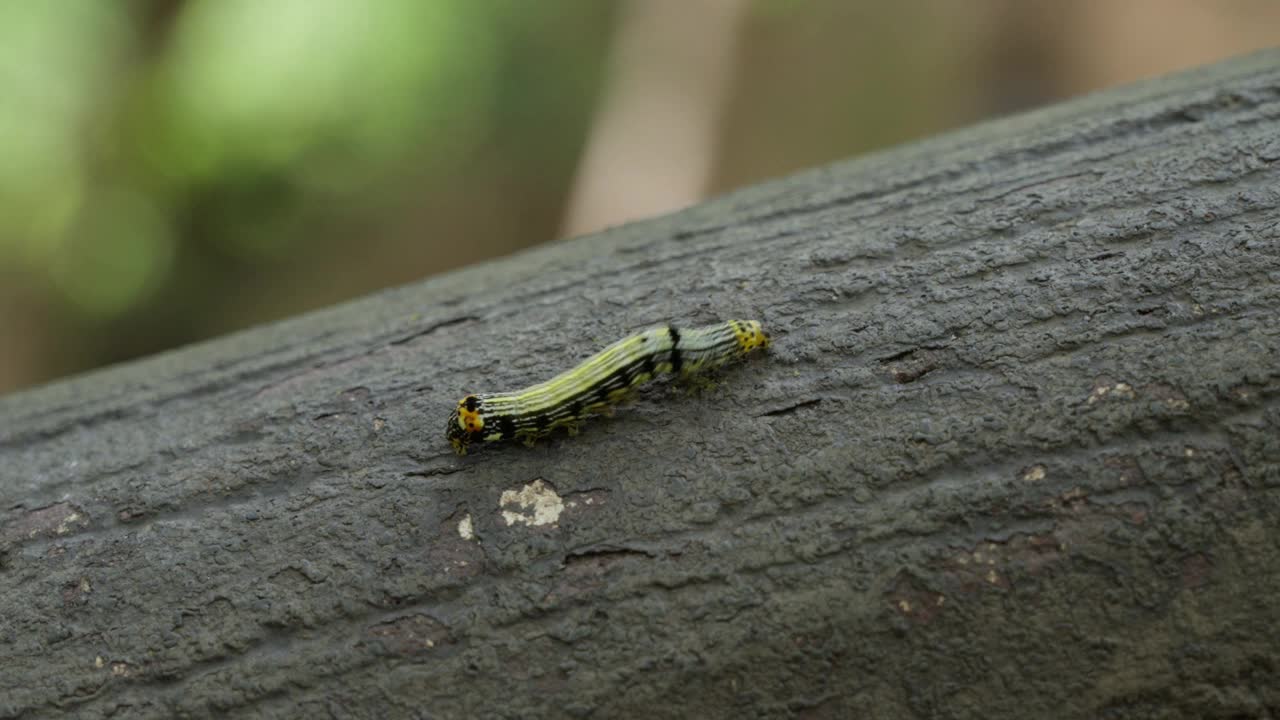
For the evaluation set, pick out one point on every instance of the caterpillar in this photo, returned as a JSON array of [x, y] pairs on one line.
[[603, 380]]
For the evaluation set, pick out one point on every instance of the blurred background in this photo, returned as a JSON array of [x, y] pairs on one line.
[[172, 170]]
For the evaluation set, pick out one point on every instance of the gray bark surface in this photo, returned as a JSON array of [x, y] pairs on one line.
[[1015, 453]]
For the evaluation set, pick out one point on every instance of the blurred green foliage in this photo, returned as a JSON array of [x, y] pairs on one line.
[[53, 59], [176, 169], [158, 159]]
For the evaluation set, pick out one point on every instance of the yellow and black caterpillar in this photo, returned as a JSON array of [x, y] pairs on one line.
[[603, 380]]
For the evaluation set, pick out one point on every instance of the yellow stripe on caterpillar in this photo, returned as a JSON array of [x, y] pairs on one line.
[[600, 382]]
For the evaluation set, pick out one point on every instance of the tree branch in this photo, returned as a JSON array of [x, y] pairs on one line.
[[1015, 453]]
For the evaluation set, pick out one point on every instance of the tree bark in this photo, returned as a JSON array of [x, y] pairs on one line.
[[1015, 453]]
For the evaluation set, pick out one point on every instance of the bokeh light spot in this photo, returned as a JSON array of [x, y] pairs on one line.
[[120, 251], [258, 85]]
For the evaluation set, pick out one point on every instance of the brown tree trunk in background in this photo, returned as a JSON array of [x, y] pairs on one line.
[[671, 69], [1015, 453]]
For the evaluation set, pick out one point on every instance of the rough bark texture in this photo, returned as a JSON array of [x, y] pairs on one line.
[[1016, 453]]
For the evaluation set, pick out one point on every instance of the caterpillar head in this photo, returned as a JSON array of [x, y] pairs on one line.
[[750, 334], [466, 424]]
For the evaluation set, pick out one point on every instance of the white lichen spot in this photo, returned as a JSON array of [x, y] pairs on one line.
[[993, 577], [1035, 473], [904, 606], [378, 424], [587, 501], [64, 527], [98, 662], [465, 529], [1121, 390], [85, 586], [535, 504], [121, 669], [1189, 451]]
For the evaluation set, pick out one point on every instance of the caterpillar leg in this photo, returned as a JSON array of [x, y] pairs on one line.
[[620, 396], [601, 409], [527, 438], [570, 425]]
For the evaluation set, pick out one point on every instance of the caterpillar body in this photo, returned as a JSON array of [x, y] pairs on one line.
[[603, 380]]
